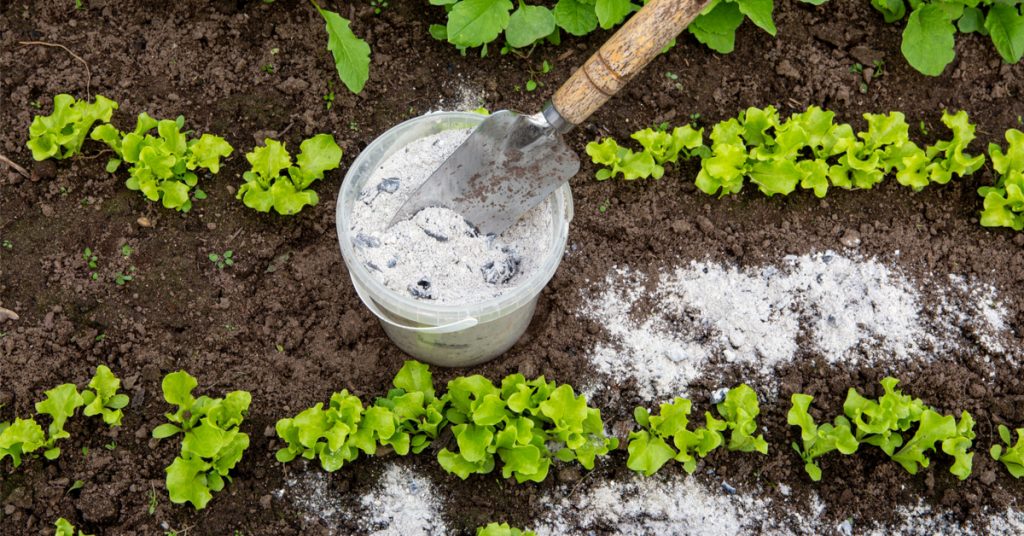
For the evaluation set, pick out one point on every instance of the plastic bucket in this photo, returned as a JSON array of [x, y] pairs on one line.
[[445, 335]]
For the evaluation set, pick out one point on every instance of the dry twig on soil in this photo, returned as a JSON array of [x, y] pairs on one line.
[[88, 71], [14, 165]]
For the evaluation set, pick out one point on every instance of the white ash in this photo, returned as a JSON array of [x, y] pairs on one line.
[[311, 493], [845, 310], [437, 255], [403, 504], [650, 506]]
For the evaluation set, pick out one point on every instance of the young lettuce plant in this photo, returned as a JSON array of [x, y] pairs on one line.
[[502, 529], [520, 423], [21, 437], [267, 188], [406, 420], [211, 445], [163, 167], [882, 423], [103, 399], [1004, 202], [660, 147], [60, 404], [60, 135], [665, 437], [65, 528], [1012, 456], [818, 440]]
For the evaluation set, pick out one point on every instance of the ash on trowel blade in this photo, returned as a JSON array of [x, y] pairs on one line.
[[436, 255]]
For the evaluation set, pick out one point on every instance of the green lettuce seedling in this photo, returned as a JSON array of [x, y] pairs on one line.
[[211, 445], [406, 420], [665, 437], [1004, 202], [622, 161], [818, 440], [520, 423], [60, 404], [103, 398], [740, 410], [1012, 456], [60, 135], [267, 188], [503, 529], [163, 167], [21, 437], [956, 439], [882, 422], [65, 528]]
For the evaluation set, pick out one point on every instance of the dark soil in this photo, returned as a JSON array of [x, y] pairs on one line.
[[285, 323]]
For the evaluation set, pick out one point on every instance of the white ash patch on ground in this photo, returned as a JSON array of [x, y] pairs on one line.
[[922, 520], [976, 308], [681, 506], [662, 506], [703, 315], [404, 503], [311, 493]]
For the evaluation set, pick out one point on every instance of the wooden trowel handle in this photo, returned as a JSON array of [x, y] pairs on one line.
[[642, 38]]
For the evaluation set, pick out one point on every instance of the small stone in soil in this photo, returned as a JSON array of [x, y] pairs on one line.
[[718, 395], [422, 289], [728, 489], [367, 241]]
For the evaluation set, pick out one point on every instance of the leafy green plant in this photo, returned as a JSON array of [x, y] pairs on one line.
[[660, 147], [818, 440], [65, 528], [477, 23], [1012, 456], [103, 399], [502, 529], [60, 404], [23, 436], [807, 150], [1004, 202], [163, 167], [883, 423], [523, 423], [267, 188], [211, 445], [351, 54], [930, 33], [666, 436], [60, 135], [406, 420]]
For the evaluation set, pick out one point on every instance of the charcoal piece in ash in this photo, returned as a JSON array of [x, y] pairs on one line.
[[367, 241], [502, 270], [392, 263], [422, 289], [436, 235], [389, 185]]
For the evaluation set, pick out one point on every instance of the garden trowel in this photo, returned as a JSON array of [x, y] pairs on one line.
[[513, 162]]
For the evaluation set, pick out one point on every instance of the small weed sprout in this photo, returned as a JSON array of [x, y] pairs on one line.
[[7, 244], [223, 260], [91, 261]]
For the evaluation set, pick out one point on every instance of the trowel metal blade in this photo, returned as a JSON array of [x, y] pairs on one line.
[[508, 165]]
